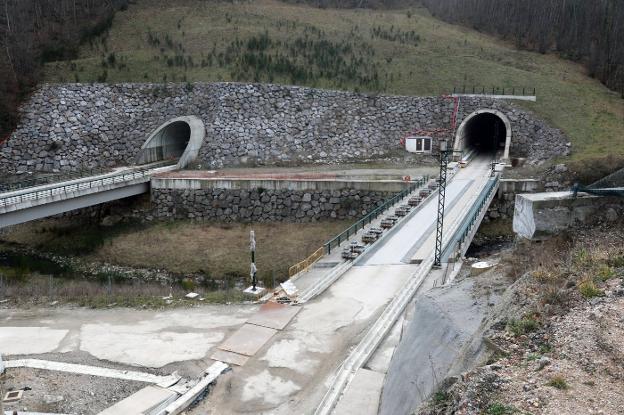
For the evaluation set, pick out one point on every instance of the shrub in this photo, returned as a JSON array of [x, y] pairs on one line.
[[440, 398], [558, 382], [500, 409], [605, 272], [187, 284], [588, 289], [526, 325], [616, 261], [554, 295]]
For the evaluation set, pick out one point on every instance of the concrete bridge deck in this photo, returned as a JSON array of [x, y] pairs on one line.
[[38, 202]]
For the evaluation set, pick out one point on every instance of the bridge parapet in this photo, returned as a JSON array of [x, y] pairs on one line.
[[42, 201]]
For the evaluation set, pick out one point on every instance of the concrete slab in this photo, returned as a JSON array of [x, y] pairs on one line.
[[274, 316], [141, 402], [362, 395], [141, 345], [229, 357], [19, 340], [248, 339], [136, 337]]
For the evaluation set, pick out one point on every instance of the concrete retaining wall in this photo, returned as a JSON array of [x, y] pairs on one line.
[[71, 126], [540, 215], [502, 206]]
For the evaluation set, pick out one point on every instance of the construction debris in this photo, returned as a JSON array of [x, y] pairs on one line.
[[13, 396]]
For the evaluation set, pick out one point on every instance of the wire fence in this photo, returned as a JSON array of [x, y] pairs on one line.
[[611, 185], [482, 90], [366, 220]]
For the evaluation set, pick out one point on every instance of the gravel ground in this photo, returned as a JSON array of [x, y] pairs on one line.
[[67, 393]]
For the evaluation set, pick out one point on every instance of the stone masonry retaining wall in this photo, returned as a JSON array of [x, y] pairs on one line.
[[71, 126], [259, 205]]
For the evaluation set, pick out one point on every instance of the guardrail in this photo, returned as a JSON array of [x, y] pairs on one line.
[[73, 187], [481, 203], [306, 263], [40, 181], [366, 220]]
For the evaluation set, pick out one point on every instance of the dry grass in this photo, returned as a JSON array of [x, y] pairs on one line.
[[181, 247], [217, 250], [569, 266]]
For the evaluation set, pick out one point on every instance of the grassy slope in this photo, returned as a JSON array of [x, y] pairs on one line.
[[446, 55]]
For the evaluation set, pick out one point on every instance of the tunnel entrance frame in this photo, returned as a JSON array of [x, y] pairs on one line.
[[460, 142], [197, 135]]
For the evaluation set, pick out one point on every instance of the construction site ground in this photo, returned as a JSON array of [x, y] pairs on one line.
[[289, 374]]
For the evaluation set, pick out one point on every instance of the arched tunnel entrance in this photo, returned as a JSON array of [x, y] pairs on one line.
[[178, 139], [486, 132]]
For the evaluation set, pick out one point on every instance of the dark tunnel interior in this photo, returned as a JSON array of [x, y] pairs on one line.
[[485, 133], [175, 139]]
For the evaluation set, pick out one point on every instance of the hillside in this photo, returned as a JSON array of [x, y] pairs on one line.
[[397, 52]]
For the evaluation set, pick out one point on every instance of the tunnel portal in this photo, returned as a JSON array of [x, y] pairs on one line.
[[486, 132], [178, 139]]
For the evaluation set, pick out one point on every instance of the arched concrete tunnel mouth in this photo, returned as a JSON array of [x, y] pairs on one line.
[[178, 140], [175, 138], [485, 133]]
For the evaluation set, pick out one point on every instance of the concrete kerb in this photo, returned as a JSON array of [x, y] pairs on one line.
[[162, 381], [192, 394]]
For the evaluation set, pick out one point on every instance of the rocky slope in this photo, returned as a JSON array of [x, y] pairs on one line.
[[556, 348]]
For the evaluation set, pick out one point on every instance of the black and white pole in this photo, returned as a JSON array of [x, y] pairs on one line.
[[254, 270]]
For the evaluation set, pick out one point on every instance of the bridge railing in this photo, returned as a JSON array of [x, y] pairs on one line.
[[481, 203], [11, 186], [366, 220], [306, 263], [73, 187]]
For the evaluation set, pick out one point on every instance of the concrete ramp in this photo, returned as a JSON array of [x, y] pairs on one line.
[[362, 395], [445, 320]]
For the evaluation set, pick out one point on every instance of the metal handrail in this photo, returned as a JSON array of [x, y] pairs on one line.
[[366, 220], [476, 209], [306, 263], [73, 187], [482, 90], [40, 181]]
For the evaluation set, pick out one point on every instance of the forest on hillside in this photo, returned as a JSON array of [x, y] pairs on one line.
[[33, 32], [588, 31]]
